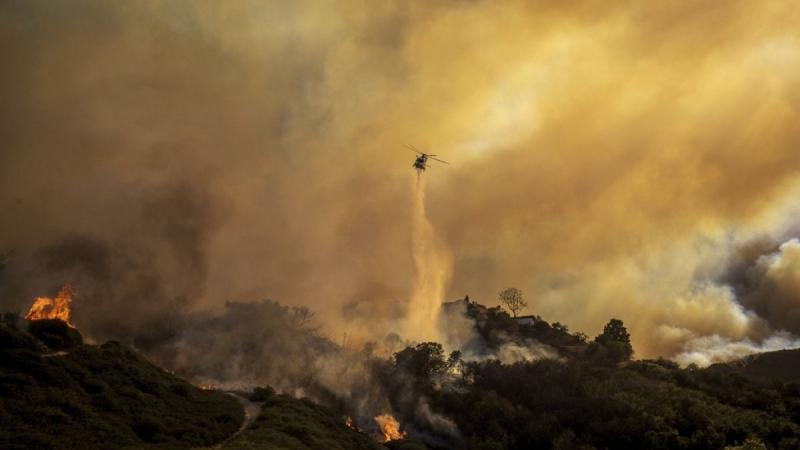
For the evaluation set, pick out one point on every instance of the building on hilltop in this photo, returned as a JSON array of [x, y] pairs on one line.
[[527, 320]]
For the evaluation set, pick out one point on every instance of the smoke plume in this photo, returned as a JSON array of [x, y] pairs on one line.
[[610, 160]]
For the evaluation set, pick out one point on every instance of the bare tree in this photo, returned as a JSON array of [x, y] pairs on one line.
[[301, 316], [512, 299]]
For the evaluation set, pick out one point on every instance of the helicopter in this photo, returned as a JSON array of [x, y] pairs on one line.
[[421, 163]]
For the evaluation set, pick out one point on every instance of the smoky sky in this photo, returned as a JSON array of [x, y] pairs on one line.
[[608, 160]]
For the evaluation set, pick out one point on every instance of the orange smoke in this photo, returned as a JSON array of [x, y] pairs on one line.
[[58, 308], [389, 428]]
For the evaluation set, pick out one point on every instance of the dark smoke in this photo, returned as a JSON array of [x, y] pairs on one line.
[[766, 278], [124, 278]]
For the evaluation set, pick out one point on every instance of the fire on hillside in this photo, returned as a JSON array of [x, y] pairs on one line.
[[54, 308]]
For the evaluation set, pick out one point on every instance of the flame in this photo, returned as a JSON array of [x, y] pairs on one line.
[[348, 421], [207, 387], [389, 428], [58, 308]]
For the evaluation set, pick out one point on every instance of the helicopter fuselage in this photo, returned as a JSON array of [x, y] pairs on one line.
[[420, 163]]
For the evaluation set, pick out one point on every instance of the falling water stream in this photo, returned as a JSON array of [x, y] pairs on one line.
[[433, 265]]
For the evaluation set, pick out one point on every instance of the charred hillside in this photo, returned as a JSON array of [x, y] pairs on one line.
[[105, 396]]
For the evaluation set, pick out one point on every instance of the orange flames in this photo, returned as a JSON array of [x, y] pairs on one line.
[[58, 308], [389, 428], [207, 387], [349, 422]]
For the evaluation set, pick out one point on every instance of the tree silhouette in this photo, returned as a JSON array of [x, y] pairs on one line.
[[422, 361], [512, 299], [301, 315], [614, 344], [615, 331]]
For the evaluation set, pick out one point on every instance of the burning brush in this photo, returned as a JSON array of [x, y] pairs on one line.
[[389, 428], [54, 308]]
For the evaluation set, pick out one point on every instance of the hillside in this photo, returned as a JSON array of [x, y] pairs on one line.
[[100, 397], [594, 398], [781, 366], [286, 423], [639, 404], [56, 392], [494, 328]]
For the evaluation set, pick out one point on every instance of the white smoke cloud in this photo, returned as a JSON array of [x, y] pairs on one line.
[[513, 352], [460, 333], [436, 421], [761, 305], [706, 350]]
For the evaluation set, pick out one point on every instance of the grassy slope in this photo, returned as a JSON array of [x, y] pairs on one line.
[[286, 423], [102, 397]]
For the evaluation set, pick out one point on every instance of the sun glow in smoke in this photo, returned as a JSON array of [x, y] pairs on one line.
[[433, 267], [57, 308]]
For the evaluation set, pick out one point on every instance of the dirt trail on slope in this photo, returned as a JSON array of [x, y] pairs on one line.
[[251, 410]]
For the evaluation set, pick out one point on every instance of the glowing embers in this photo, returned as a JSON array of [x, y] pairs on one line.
[[53, 308]]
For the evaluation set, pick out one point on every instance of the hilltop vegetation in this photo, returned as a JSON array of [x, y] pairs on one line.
[[593, 398], [99, 397]]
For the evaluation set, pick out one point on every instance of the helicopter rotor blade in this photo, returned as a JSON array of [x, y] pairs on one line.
[[413, 149], [431, 156]]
